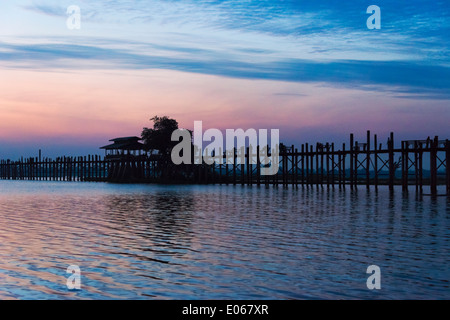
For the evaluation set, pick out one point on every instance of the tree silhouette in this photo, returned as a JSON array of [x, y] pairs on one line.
[[159, 137]]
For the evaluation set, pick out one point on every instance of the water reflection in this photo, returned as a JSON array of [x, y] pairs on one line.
[[166, 215], [221, 242]]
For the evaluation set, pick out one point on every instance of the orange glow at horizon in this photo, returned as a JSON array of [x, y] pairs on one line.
[[108, 103], [81, 105]]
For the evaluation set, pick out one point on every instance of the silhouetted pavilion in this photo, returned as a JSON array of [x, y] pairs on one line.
[[125, 146]]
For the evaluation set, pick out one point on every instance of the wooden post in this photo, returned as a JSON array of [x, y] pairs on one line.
[[406, 160], [234, 166], [258, 166], [32, 168], [84, 163], [332, 164], [70, 168], [433, 166], [416, 165], [327, 164], [36, 168], [296, 167], [404, 165], [76, 169], [421, 168], [351, 161], [275, 176], [343, 164], [368, 160], [307, 164], [321, 151], [447, 164], [242, 165], [61, 168], [96, 168], [311, 182], [89, 167], [250, 182], [391, 162], [285, 166], [303, 165], [220, 168], [226, 168], [293, 165], [375, 164], [65, 170], [355, 174], [249, 150], [340, 178], [317, 165]]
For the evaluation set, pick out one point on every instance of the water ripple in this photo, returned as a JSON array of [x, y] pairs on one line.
[[219, 242]]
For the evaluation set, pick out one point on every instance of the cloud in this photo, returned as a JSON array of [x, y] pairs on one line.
[[49, 10], [430, 80], [292, 40], [299, 29], [290, 94]]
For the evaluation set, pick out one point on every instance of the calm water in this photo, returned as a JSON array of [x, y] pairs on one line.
[[220, 242]]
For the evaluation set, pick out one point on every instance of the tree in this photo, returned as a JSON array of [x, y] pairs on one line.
[[159, 137]]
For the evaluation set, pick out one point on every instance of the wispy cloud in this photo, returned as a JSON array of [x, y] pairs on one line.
[[325, 29], [415, 75], [53, 10], [290, 94], [301, 41]]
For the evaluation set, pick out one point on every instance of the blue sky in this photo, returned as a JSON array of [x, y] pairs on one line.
[[283, 40], [321, 43]]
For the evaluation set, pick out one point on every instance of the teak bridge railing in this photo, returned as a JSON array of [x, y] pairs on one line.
[[417, 162]]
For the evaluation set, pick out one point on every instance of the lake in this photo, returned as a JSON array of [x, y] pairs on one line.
[[220, 242]]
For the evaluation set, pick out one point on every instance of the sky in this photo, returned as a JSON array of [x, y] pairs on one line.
[[312, 69]]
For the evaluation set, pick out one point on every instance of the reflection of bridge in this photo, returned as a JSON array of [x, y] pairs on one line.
[[354, 164]]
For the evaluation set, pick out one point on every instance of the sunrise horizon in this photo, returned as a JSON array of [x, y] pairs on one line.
[[313, 74]]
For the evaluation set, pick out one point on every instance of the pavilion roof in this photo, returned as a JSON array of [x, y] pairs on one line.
[[125, 143]]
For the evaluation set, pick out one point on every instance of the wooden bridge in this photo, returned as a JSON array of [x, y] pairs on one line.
[[417, 163]]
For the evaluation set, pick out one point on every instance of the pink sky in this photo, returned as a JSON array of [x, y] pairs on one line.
[[81, 110], [315, 72]]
